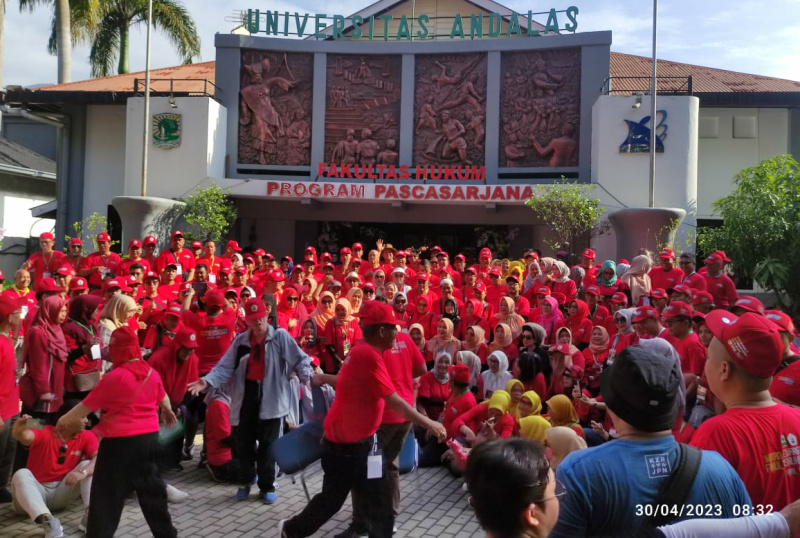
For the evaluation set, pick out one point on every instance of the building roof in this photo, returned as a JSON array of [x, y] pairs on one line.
[[15, 156]]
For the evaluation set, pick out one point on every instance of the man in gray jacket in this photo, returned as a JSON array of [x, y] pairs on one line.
[[260, 361]]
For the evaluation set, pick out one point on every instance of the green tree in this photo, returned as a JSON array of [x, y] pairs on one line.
[[761, 227], [571, 211], [209, 214], [87, 229], [112, 39]]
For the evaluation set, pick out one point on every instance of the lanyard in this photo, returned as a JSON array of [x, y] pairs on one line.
[[88, 330]]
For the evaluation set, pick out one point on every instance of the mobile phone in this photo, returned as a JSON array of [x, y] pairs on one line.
[[35, 424], [200, 288]]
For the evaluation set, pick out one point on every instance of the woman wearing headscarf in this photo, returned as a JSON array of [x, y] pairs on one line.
[[417, 335], [473, 315], [550, 319], [508, 316], [562, 361], [400, 306], [546, 266], [470, 424], [435, 387], [637, 280], [527, 370], [356, 297], [534, 428], [579, 324], [530, 404], [130, 396], [422, 315], [81, 334], [443, 340], [475, 341], [562, 442], [340, 335], [515, 389], [308, 339], [562, 284], [308, 297], [473, 362], [451, 313], [504, 342], [607, 282], [531, 340], [496, 377], [379, 281], [622, 321], [116, 313], [595, 354], [324, 310], [44, 353], [531, 281], [561, 412]]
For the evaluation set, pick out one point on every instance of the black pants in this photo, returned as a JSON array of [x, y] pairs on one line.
[[8, 447], [194, 409], [126, 464], [345, 467], [229, 472], [254, 438]]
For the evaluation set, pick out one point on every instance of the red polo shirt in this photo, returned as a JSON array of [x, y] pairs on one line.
[[401, 361], [47, 448], [95, 259], [45, 266]]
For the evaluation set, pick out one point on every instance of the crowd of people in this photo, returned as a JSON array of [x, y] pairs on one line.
[[623, 375]]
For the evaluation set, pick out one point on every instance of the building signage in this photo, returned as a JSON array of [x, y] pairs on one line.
[[404, 192], [466, 26], [167, 130], [403, 172]]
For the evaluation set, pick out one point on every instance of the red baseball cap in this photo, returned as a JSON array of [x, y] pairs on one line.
[[173, 310], [268, 256], [495, 272], [150, 240], [750, 304], [276, 275], [460, 373], [702, 298], [717, 256], [233, 244], [186, 337], [358, 246], [588, 253], [460, 256], [593, 290], [666, 253], [356, 261], [325, 256], [328, 265], [368, 286], [112, 283], [752, 341], [259, 252], [76, 241], [644, 312], [471, 270], [254, 309], [619, 298], [400, 254], [176, 233], [543, 290], [48, 285], [782, 320], [134, 243], [130, 280], [196, 244], [65, 271], [681, 288], [658, 293], [241, 269], [480, 286], [485, 253], [678, 309], [562, 348], [344, 250], [442, 254], [10, 304], [377, 313], [422, 276], [215, 297], [224, 270], [78, 284], [150, 275], [513, 277], [249, 258], [103, 236], [46, 236]]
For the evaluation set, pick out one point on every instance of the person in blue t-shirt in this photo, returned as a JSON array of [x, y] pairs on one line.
[[610, 487]]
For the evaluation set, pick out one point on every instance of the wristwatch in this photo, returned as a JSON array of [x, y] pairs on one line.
[[82, 471]]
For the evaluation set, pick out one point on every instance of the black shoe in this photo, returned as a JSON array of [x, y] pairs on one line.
[[186, 455], [5, 496], [352, 532], [176, 467]]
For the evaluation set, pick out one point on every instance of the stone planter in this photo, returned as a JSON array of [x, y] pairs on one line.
[[644, 227], [143, 216]]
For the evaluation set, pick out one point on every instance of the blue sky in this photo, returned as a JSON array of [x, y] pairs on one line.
[[739, 35]]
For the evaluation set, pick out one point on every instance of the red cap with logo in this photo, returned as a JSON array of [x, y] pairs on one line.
[[358, 246], [10, 304], [782, 320], [344, 250], [619, 298], [658, 293], [750, 304], [254, 309], [233, 244], [752, 341], [134, 243], [717, 256], [149, 275], [480, 286], [460, 373], [460, 256], [485, 253], [681, 288], [46, 236], [562, 348], [259, 252], [78, 284], [400, 254], [368, 286], [276, 275], [644, 312], [588, 253], [112, 283], [215, 297], [65, 271], [667, 253], [471, 270], [241, 269], [76, 241], [196, 244], [677, 309], [593, 290], [48, 285], [150, 240], [377, 313], [177, 233], [224, 270], [495, 271], [543, 290], [130, 280], [702, 298], [186, 337], [103, 237], [173, 310], [422, 276], [325, 256]]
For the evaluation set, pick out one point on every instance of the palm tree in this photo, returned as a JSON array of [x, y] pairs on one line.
[[112, 38], [73, 21]]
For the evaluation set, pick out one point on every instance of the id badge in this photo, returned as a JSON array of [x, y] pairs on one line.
[[212, 278], [104, 271], [23, 311], [180, 268], [46, 275], [346, 347]]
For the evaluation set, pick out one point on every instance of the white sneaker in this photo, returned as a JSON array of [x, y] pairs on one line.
[[52, 527], [174, 495], [281, 523], [84, 520]]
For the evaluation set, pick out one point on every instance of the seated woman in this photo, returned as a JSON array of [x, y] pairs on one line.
[[451, 312], [534, 428], [493, 414], [579, 324], [473, 315], [503, 341], [532, 340], [550, 318], [496, 377], [474, 341], [595, 359], [563, 441], [527, 371], [515, 389], [473, 363], [561, 412], [434, 388], [509, 317], [443, 340]]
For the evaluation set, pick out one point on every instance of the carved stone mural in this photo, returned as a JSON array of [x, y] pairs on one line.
[[450, 109], [275, 108], [540, 108], [362, 113]]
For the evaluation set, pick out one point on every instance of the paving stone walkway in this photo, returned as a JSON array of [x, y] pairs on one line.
[[433, 505]]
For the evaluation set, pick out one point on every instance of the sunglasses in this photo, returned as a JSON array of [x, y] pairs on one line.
[[527, 337], [78, 247], [291, 299], [62, 454]]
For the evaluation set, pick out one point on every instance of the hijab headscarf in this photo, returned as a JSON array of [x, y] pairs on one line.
[[581, 314], [114, 311], [535, 400], [665, 349], [444, 378], [323, 314], [480, 336], [499, 345], [124, 352], [284, 306], [563, 272], [622, 268], [415, 315], [344, 303], [548, 266], [512, 407], [454, 316], [549, 322], [538, 331], [477, 309], [601, 279], [82, 309], [500, 400], [561, 410], [272, 318], [502, 358], [513, 320], [603, 346], [533, 273], [351, 293], [563, 441], [418, 327], [46, 320], [627, 313], [534, 428], [637, 279], [473, 362]]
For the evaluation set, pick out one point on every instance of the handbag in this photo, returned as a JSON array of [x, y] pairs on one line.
[[168, 435], [85, 381]]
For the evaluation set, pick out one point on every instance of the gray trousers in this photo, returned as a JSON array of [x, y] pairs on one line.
[[31, 497]]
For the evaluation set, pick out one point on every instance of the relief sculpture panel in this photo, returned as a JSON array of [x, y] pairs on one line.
[[540, 108], [362, 112], [275, 108], [450, 109]]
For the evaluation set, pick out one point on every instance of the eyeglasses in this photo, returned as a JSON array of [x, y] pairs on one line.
[[561, 490], [62, 454], [291, 299], [684, 263], [77, 247], [527, 337], [400, 301]]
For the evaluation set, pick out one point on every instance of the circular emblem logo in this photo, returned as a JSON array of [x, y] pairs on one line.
[[254, 308], [192, 337]]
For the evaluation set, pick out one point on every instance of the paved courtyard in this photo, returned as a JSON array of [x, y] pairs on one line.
[[433, 504]]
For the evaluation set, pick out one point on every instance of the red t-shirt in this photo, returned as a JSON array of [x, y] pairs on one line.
[[95, 259], [696, 281], [722, 289], [214, 266], [124, 415], [362, 385], [218, 427], [665, 279], [9, 391], [183, 259], [429, 387], [214, 336], [46, 449], [175, 375], [692, 353], [125, 265], [786, 385], [256, 365], [456, 406], [762, 445], [477, 415], [400, 362], [45, 266], [341, 337]]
